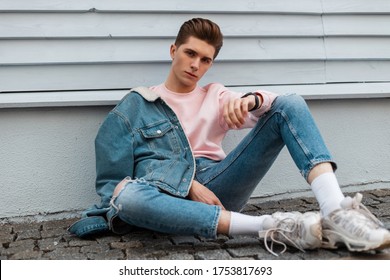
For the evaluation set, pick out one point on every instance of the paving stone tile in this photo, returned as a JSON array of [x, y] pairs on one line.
[[26, 255], [28, 234], [250, 251], [65, 253], [268, 207], [221, 238], [139, 235], [6, 237], [249, 208], [178, 256], [178, 240], [50, 244], [297, 255], [81, 242], [5, 229], [319, 255], [158, 243], [19, 246], [53, 232], [213, 255], [69, 237], [114, 254], [126, 245], [108, 239], [95, 248], [380, 193], [145, 254], [207, 245], [58, 224], [18, 227], [239, 241], [368, 201], [136, 254]]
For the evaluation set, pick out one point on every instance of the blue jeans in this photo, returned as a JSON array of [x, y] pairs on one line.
[[233, 180]]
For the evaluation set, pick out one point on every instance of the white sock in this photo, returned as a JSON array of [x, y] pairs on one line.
[[327, 192], [246, 224]]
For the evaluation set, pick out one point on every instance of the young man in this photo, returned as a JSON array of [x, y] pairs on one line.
[[160, 164]]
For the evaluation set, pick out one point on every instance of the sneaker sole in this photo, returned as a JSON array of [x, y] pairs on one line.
[[352, 244]]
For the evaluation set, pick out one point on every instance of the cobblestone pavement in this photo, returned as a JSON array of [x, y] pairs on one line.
[[50, 240]]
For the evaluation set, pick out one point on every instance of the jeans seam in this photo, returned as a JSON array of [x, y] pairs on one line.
[[299, 141], [309, 156], [215, 222]]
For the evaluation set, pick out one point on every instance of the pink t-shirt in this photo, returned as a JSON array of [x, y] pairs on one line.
[[200, 112]]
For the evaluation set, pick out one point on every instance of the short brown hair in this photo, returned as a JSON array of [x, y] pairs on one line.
[[202, 29]]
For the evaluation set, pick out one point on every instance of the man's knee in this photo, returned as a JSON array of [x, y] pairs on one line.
[[131, 196], [291, 103], [120, 186], [291, 99]]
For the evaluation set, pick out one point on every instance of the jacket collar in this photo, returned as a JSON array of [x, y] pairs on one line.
[[146, 93]]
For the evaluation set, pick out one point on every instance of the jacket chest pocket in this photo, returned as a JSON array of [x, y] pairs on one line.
[[161, 137]]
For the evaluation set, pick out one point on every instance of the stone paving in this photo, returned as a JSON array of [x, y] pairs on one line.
[[50, 240]]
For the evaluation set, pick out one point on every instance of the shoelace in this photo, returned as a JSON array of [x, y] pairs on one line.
[[356, 204], [270, 233]]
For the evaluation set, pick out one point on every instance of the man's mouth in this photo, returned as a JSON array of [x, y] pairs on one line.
[[190, 74]]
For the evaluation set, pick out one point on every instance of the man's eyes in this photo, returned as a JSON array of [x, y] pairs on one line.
[[191, 53], [206, 60]]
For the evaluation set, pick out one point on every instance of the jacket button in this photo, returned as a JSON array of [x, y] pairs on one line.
[[159, 131], [184, 180]]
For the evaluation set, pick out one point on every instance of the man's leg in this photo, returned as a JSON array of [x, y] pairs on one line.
[[234, 179], [141, 204], [326, 188], [290, 123]]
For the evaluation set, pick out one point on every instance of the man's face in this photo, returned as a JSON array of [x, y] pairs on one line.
[[190, 61]]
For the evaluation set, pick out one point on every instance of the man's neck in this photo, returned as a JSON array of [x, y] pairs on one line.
[[173, 86]]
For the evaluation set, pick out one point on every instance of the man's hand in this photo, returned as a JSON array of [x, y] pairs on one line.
[[236, 110], [200, 193]]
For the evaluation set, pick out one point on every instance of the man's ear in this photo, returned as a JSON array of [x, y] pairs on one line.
[[172, 51]]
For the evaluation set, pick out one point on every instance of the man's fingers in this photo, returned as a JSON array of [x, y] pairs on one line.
[[238, 111], [235, 112], [226, 115], [219, 203], [200, 193]]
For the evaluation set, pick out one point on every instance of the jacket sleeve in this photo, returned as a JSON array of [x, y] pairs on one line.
[[114, 155]]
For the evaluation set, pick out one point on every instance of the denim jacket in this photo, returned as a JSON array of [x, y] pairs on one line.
[[140, 138]]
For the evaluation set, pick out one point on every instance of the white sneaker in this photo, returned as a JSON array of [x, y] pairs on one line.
[[303, 231], [355, 227]]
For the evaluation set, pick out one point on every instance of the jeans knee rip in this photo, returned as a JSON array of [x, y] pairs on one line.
[[119, 188]]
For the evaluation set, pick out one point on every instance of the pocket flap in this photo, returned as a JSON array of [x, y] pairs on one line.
[[157, 130]]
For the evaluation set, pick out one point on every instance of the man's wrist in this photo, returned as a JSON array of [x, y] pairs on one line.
[[258, 100]]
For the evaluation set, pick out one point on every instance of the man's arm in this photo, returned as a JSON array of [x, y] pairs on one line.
[[235, 111], [114, 156]]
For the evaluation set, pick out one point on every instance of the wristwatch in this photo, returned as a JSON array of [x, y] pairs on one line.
[[257, 101]]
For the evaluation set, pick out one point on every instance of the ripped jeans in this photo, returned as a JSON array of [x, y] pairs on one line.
[[289, 122]]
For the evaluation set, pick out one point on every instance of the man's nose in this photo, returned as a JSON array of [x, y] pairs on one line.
[[195, 64]]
